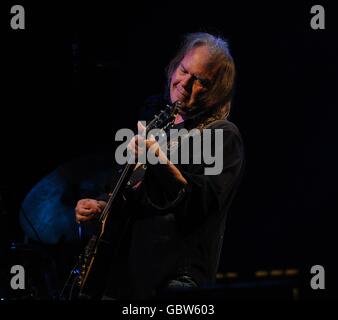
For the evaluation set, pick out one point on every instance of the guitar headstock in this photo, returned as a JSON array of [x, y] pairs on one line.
[[165, 117]]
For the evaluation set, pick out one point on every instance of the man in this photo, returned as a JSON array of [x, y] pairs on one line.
[[179, 211]]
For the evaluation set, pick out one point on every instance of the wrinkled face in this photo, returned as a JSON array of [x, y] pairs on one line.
[[193, 77]]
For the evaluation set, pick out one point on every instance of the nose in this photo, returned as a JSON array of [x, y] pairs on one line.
[[187, 82]]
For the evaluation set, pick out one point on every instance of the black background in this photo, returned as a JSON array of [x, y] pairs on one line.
[[79, 72]]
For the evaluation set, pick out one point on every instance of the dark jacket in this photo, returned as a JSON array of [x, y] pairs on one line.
[[182, 234]]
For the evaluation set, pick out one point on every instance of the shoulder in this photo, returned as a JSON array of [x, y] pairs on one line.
[[232, 137], [225, 125]]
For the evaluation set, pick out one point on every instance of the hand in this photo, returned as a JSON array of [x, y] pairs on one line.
[[88, 209], [139, 145]]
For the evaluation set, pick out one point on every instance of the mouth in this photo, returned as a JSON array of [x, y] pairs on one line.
[[181, 94]]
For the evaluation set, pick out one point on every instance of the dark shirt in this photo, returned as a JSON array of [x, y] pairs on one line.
[[179, 233]]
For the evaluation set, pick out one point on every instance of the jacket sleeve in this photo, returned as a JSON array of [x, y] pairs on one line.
[[205, 193]]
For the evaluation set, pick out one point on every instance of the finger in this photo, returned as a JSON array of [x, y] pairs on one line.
[[82, 202], [85, 202], [139, 139], [131, 145], [93, 206], [140, 145], [98, 207], [153, 147], [86, 212], [132, 151], [151, 141], [101, 205], [141, 128]]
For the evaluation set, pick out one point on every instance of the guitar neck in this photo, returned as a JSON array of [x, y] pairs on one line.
[[121, 183]]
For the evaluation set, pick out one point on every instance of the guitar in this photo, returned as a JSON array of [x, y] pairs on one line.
[[87, 280]]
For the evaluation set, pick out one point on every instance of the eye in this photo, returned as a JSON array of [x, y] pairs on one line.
[[203, 82], [183, 70]]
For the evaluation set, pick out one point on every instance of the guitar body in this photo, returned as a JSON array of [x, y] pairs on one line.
[[114, 231], [89, 277]]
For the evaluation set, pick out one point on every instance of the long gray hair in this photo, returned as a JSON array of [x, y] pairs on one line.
[[218, 98]]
